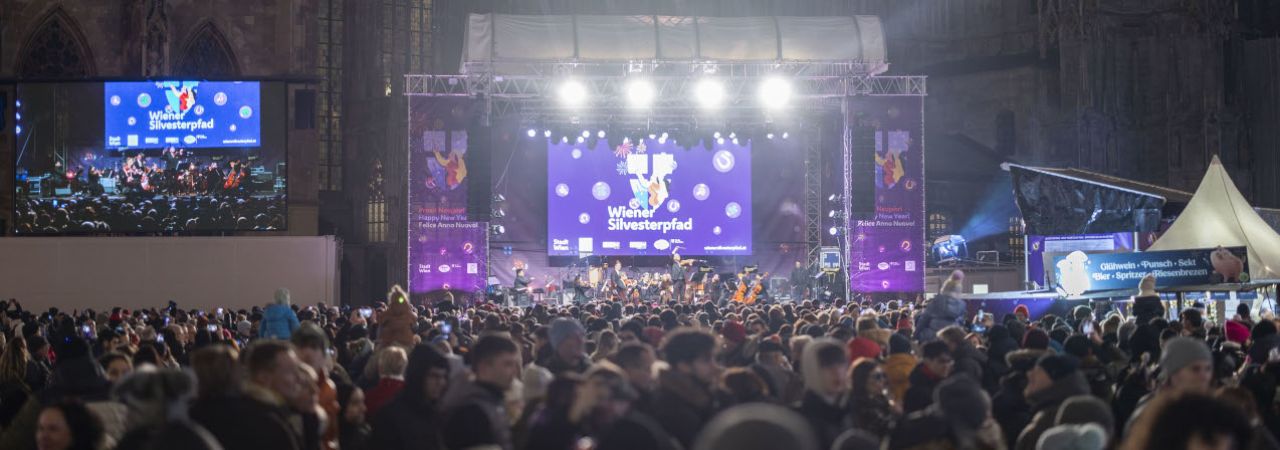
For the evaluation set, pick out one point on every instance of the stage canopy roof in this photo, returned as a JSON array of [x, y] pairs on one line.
[[1219, 215], [501, 38]]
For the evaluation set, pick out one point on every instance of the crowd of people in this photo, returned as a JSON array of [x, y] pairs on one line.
[[604, 375]]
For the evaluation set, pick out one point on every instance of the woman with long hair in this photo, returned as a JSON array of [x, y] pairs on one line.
[[13, 372], [870, 404]]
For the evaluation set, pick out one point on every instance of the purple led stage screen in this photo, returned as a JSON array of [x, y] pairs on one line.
[[647, 198], [447, 255], [887, 253]]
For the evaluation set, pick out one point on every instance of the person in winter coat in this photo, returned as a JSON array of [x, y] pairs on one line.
[[826, 384], [396, 324], [475, 412], [412, 418], [935, 366], [1053, 380], [872, 408], [158, 404], [1147, 304], [898, 367], [1009, 405], [245, 415], [68, 425], [76, 375], [960, 418], [684, 401], [944, 310], [999, 344], [612, 417], [355, 430], [968, 359], [278, 319]]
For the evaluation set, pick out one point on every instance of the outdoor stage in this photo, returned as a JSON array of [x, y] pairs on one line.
[[588, 152]]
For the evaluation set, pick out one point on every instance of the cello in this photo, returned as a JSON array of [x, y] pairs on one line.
[[755, 289], [739, 295]]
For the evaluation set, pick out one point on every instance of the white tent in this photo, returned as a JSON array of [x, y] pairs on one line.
[[1219, 215]]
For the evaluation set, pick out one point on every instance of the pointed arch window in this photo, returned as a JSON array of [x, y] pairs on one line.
[[208, 55], [56, 49]]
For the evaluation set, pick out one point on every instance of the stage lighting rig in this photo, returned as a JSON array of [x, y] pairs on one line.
[[572, 93], [709, 92], [775, 93], [640, 93]]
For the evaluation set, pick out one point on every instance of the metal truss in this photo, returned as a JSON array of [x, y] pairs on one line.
[[815, 87], [813, 200]]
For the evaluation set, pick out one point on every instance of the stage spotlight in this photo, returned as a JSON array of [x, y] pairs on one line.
[[499, 213], [775, 92], [833, 198], [640, 93], [586, 133], [546, 133], [17, 129], [735, 141], [716, 135], [720, 141], [600, 134], [662, 139], [564, 139], [733, 135], [665, 135], [784, 134], [572, 93], [709, 92], [497, 230], [533, 132], [768, 135], [833, 230], [581, 139], [652, 136], [499, 198]]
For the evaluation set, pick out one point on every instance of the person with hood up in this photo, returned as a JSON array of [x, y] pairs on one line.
[[826, 386], [1009, 405], [395, 326], [278, 320], [1053, 380], [157, 400], [898, 366], [412, 418], [960, 418], [944, 310]]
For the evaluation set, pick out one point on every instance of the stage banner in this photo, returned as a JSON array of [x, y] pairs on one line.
[[1078, 272], [447, 256], [446, 252], [887, 253]]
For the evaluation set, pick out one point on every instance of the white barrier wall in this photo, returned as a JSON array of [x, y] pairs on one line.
[[197, 272]]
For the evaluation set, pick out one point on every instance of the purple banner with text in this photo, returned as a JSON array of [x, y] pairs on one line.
[[887, 253], [446, 252]]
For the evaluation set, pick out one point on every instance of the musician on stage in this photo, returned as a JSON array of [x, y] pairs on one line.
[[580, 289], [799, 282], [521, 287], [617, 279], [678, 275]]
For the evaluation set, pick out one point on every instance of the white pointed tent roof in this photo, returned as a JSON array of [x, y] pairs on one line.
[[1219, 215]]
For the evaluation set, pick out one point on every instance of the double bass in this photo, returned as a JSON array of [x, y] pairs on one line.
[[756, 288], [740, 294]]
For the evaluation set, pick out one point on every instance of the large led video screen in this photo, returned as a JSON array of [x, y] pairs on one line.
[[191, 114], [648, 198], [227, 172]]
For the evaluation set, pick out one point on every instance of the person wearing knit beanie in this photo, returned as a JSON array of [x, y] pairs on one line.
[[1087, 409], [734, 332], [1058, 366], [1035, 338], [861, 347], [1073, 437], [568, 341], [1186, 364], [1236, 332]]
